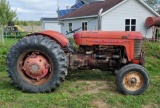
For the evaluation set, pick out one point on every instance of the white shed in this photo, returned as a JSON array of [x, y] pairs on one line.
[[50, 24], [117, 15]]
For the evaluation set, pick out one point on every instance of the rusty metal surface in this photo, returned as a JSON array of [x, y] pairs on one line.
[[133, 81], [56, 36], [36, 66], [109, 38], [106, 57], [108, 35], [152, 21], [91, 61], [82, 61]]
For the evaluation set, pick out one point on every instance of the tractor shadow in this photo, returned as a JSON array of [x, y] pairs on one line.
[[90, 75], [101, 81], [88, 79]]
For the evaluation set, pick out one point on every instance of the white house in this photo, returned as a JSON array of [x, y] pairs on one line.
[[50, 24], [117, 15]]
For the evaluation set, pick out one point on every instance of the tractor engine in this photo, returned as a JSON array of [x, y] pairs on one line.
[[98, 57], [106, 51]]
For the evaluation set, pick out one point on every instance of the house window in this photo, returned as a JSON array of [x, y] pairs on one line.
[[130, 25], [84, 26], [69, 27]]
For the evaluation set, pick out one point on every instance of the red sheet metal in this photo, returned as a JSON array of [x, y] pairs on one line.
[[153, 21]]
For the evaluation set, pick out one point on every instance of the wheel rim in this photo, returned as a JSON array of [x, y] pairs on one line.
[[35, 67], [133, 81]]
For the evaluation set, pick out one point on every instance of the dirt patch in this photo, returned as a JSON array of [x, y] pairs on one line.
[[99, 104], [93, 87], [1, 103], [150, 106]]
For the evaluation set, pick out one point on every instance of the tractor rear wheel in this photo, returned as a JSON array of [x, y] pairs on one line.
[[36, 64], [132, 79]]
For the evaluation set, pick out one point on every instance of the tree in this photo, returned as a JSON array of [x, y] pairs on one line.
[[6, 14], [151, 2]]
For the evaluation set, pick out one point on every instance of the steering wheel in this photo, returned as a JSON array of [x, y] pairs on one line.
[[73, 31]]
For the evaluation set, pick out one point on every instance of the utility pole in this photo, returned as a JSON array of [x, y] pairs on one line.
[[58, 11], [58, 5]]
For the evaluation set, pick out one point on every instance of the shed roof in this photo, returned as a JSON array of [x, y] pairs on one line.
[[49, 19]]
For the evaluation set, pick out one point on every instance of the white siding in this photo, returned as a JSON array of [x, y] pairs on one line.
[[77, 23], [51, 26], [115, 19]]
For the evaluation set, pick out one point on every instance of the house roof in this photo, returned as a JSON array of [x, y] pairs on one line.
[[89, 1], [91, 10]]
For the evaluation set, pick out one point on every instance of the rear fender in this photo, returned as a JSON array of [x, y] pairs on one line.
[[56, 36]]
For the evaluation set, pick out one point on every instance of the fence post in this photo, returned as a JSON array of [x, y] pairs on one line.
[[2, 37]]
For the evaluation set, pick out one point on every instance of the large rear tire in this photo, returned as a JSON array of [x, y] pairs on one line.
[[36, 64], [132, 79]]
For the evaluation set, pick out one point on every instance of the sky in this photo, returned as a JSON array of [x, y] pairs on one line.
[[36, 9]]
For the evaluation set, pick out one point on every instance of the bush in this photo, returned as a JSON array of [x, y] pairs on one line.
[[3, 54], [4, 49], [152, 49]]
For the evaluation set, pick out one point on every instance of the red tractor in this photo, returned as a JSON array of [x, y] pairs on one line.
[[39, 62]]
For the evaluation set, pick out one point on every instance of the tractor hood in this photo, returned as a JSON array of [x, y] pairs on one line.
[[105, 37], [108, 35]]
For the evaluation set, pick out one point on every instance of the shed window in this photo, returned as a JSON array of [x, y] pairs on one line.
[[84, 26], [70, 27], [130, 25]]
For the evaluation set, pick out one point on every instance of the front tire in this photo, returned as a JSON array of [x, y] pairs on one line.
[[36, 64], [132, 79]]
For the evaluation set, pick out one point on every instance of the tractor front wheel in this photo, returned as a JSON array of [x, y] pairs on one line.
[[36, 64], [132, 79]]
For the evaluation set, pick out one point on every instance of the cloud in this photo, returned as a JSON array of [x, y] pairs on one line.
[[35, 9]]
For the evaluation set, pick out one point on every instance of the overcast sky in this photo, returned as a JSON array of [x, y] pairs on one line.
[[35, 9]]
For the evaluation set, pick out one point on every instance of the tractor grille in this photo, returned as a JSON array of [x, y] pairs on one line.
[[137, 48]]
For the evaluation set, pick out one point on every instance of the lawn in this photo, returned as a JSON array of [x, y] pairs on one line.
[[84, 89]]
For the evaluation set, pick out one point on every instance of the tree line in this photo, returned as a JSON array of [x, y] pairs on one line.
[[7, 15], [27, 23]]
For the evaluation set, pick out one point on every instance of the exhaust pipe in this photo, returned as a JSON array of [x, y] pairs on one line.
[[100, 19]]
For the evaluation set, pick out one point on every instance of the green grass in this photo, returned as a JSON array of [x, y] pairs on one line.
[[84, 89]]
